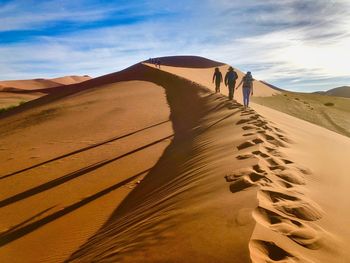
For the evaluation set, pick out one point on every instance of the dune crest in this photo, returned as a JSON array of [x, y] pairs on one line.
[[151, 166], [38, 84]]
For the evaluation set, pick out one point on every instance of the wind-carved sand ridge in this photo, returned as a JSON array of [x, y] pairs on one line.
[[146, 184], [283, 207]]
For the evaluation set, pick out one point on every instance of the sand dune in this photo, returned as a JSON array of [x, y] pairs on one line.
[[204, 75], [13, 92], [148, 165], [37, 84]]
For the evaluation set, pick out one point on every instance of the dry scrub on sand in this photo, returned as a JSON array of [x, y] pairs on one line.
[[330, 112]]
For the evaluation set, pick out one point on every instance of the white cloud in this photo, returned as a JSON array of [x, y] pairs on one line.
[[289, 53]]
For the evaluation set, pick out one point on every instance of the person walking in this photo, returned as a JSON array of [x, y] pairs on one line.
[[247, 88], [230, 81], [217, 77]]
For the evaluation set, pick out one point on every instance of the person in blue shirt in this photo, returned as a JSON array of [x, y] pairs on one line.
[[230, 81], [247, 88], [217, 77]]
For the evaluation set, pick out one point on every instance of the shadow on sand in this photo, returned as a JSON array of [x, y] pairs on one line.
[[82, 150], [144, 215]]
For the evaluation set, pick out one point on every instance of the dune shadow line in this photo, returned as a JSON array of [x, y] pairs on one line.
[[82, 150], [71, 176], [16, 233]]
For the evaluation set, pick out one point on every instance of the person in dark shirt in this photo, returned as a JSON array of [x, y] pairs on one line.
[[247, 88], [217, 77], [230, 81]]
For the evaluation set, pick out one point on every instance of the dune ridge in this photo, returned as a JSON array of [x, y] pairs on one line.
[[162, 209], [14, 92], [282, 207], [219, 185], [32, 85]]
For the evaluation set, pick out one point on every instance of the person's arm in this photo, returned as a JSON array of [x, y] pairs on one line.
[[251, 93], [239, 84], [226, 79], [221, 77], [213, 77]]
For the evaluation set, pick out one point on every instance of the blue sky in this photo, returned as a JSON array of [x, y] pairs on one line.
[[299, 45]]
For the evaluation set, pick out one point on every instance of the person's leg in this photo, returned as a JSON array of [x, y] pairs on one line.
[[233, 92], [244, 96], [246, 93], [230, 92], [217, 87], [247, 97]]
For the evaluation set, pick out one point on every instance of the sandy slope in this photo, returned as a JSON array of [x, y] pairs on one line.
[[221, 184], [13, 92], [324, 153], [12, 99], [34, 84], [183, 210], [91, 144]]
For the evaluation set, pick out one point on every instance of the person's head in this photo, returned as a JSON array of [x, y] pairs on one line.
[[230, 69], [249, 74], [217, 70]]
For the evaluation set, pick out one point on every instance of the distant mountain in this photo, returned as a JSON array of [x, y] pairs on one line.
[[343, 91]]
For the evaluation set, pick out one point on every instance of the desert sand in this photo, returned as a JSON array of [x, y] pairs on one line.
[[39, 84], [14, 92], [149, 165], [330, 112]]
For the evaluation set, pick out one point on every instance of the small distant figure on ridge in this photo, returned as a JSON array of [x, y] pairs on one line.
[[158, 63], [217, 77], [230, 81], [247, 88]]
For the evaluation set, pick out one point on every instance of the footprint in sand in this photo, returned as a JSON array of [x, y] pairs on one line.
[[242, 121], [249, 143], [257, 168], [244, 156], [245, 181], [284, 138], [270, 160], [253, 118], [260, 153], [294, 206], [273, 140], [253, 154], [264, 251], [248, 127], [285, 184], [296, 230]]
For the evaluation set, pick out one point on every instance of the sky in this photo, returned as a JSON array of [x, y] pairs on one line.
[[300, 45]]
